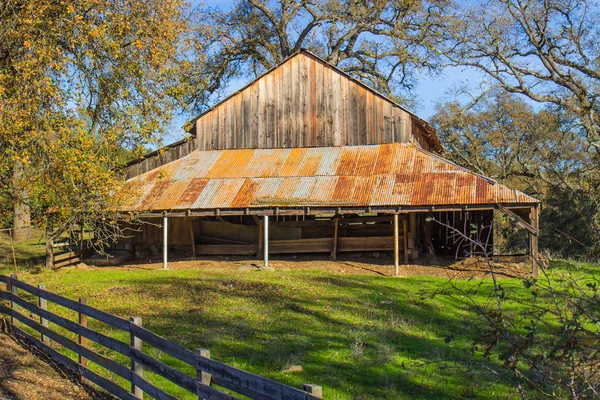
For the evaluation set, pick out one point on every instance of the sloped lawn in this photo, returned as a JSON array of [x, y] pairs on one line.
[[358, 336]]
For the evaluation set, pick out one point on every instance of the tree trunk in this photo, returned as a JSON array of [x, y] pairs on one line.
[[21, 212]]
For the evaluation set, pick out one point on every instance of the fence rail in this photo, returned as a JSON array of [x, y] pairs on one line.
[[209, 371]]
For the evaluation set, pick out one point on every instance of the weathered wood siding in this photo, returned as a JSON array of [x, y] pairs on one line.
[[161, 157], [303, 103]]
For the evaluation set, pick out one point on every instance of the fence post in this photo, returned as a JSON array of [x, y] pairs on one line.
[[82, 339], [137, 368], [43, 305], [316, 391], [202, 376], [15, 291]]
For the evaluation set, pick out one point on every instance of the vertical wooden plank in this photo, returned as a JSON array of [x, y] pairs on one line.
[[320, 104], [222, 138], [344, 104], [137, 368], [301, 101], [200, 133], [396, 246], [271, 100], [316, 391], [246, 120], [286, 70], [15, 291], [255, 116], [352, 115], [336, 225], [277, 108], [405, 232], [82, 340], [362, 116], [336, 92], [43, 305], [370, 128], [202, 376], [262, 112], [295, 120], [312, 128], [327, 102]]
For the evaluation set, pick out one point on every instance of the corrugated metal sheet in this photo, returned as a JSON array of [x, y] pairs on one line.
[[377, 175]]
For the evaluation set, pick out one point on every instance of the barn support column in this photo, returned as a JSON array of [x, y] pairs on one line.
[[396, 246], [165, 241], [533, 240], [192, 239], [266, 240]]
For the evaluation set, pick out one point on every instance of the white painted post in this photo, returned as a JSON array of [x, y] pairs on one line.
[[396, 245], [165, 241], [266, 240]]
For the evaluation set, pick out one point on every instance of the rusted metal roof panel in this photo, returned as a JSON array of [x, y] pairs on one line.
[[383, 175]]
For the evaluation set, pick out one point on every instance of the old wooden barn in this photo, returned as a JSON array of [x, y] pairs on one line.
[[306, 159]]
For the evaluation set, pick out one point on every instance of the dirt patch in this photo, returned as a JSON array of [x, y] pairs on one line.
[[432, 266], [29, 374]]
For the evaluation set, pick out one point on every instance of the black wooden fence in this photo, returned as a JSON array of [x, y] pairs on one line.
[[209, 371]]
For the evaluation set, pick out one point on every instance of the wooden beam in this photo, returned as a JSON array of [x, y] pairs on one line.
[[261, 239], [533, 241], [518, 220], [396, 246], [405, 241], [192, 240], [336, 227], [266, 240]]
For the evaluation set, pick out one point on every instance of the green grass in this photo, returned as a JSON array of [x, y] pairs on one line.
[[28, 254], [360, 337]]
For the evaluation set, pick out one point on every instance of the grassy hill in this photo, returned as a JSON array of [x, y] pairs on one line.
[[358, 336]]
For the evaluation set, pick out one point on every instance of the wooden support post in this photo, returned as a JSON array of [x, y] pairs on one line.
[[82, 340], [15, 291], [396, 246], [533, 241], [49, 248], [316, 391], [165, 242], [336, 227], [259, 247], [412, 218], [137, 368], [266, 240], [405, 232], [201, 376], [43, 305], [192, 240]]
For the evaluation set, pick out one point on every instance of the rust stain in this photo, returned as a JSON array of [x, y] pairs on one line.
[[155, 193], [344, 188], [246, 194], [389, 174], [191, 192], [293, 162], [347, 161]]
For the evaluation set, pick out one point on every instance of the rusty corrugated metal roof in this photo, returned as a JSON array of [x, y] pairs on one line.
[[376, 175]]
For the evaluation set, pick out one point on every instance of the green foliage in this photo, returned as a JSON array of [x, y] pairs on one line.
[[541, 152], [82, 84]]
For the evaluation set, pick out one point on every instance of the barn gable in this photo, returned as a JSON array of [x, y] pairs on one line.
[[306, 102]]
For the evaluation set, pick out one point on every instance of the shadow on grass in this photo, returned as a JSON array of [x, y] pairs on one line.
[[359, 337]]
